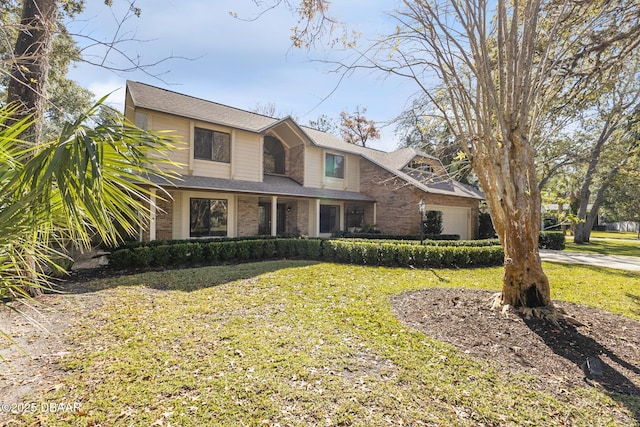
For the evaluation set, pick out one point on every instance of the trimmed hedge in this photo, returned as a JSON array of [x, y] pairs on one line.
[[411, 255], [552, 240], [362, 252], [192, 252], [378, 236], [391, 253]]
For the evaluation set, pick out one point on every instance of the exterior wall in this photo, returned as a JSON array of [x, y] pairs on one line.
[[179, 128], [397, 211], [314, 167], [246, 149], [397, 201], [164, 217], [302, 217], [246, 156], [247, 216], [296, 164], [351, 180], [352, 174]]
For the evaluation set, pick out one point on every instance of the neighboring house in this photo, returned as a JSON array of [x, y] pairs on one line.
[[244, 174]]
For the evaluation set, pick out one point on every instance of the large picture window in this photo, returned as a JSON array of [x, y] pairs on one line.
[[334, 166], [212, 145], [208, 217]]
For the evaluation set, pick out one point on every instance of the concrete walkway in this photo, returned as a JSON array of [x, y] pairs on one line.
[[618, 262]]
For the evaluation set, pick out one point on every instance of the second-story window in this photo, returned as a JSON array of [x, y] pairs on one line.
[[212, 145], [274, 156], [334, 166]]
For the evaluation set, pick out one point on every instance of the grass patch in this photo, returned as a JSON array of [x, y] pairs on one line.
[[299, 343], [606, 247], [631, 235]]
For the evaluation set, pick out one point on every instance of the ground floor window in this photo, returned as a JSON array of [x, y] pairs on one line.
[[208, 217], [354, 217], [329, 218]]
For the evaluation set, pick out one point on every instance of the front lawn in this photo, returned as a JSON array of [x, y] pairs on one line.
[[300, 343], [605, 247], [631, 235]]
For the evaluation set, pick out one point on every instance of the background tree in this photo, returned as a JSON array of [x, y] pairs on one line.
[[30, 63], [614, 141], [356, 129], [324, 123], [421, 127], [622, 201]]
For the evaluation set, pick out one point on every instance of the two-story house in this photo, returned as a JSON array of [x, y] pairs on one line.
[[245, 174]]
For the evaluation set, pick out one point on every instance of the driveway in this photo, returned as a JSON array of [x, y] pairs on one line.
[[618, 262]]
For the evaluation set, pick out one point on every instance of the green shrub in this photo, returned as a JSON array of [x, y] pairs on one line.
[[121, 259], [228, 251], [210, 252], [142, 256], [551, 240], [432, 224], [432, 254], [196, 252]]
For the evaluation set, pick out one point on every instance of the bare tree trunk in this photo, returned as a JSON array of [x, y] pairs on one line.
[[28, 81], [513, 197]]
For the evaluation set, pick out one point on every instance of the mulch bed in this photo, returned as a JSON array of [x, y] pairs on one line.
[[516, 344]]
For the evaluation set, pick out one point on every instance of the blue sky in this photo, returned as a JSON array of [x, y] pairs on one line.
[[244, 64]]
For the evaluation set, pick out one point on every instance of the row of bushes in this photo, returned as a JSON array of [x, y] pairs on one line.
[[347, 251], [137, 244], [378, 236], [459, 253], [472, 243], [411, 255]]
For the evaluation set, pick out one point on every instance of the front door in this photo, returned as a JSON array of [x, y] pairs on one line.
[[264, 218]]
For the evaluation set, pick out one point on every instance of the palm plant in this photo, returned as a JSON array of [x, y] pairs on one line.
[[94, 180]]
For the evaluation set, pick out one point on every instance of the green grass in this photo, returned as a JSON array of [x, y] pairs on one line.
[[299, 343], [606, 247], [632, 235]]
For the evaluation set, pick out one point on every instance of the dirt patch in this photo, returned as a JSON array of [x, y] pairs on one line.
[[36, 338], [605, 353]]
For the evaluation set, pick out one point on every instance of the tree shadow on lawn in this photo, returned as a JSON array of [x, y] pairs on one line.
[[169, 279], [595, 360]]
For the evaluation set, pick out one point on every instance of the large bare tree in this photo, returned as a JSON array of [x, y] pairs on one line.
[[499, 65], [31, 60]]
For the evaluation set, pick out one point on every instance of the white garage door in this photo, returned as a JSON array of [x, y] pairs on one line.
[[455, 220]]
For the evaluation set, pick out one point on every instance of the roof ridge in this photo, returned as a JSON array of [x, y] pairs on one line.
[[202, 99]]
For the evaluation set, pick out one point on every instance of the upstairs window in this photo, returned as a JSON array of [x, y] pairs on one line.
[[274, 156], [334, 166], [212, 145]]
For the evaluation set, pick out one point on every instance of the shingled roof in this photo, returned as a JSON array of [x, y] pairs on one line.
[[166, 101]]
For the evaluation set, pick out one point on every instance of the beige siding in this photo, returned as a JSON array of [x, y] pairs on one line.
[[180, 128], [353, 173], [247, 156], [314, 167]]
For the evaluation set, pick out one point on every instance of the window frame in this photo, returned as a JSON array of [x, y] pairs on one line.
[[193, 227], [333, 172], [332, 220], [211, 133]]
